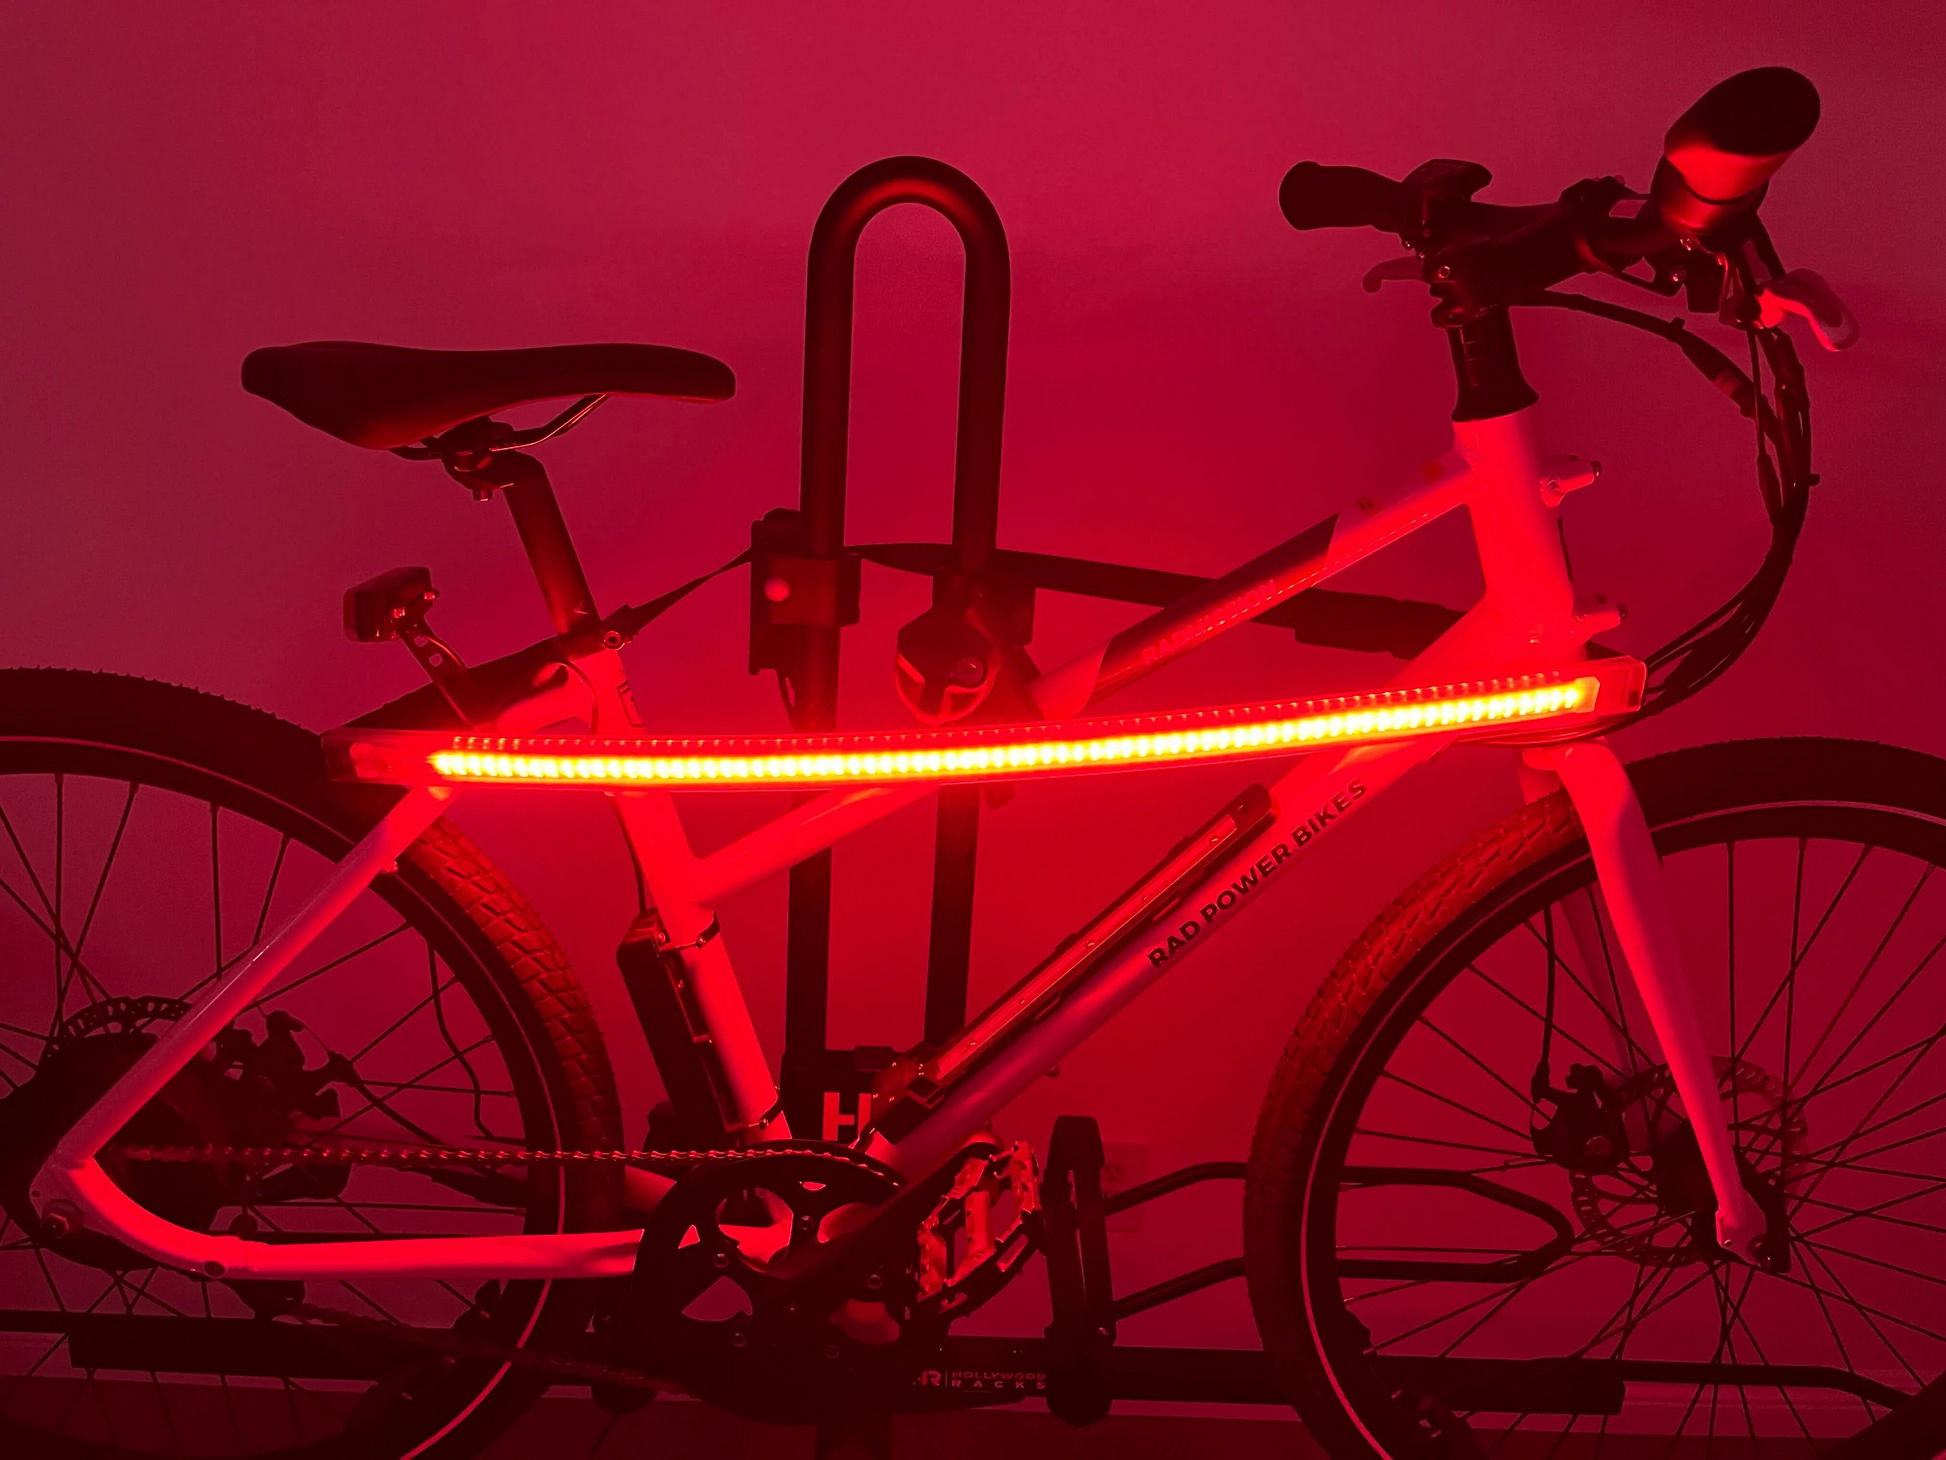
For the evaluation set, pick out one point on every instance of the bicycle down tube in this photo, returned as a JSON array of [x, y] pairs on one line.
[[1524, 621]]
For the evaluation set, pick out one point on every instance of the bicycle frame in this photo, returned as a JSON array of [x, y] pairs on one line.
[[1524, 622]]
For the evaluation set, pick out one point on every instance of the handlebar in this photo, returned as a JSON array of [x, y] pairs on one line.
[[1316, 196], [1478, 258], [1715, 170]]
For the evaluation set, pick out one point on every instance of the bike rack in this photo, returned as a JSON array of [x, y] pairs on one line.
[[809, 547], [1077, 1367], [804, 558]]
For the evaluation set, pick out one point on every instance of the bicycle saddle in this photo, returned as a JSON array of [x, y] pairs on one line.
[[384, 396]]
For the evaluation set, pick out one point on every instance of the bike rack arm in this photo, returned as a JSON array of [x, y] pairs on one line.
[[1148, 1191]]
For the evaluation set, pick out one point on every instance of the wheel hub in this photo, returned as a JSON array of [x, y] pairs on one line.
[[1651, 1201], [237, 1091]]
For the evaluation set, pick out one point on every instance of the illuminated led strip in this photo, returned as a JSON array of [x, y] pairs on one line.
[[1535, 703]]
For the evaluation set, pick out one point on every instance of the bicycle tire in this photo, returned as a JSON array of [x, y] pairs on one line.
[[251, 765], [1317, 1105]]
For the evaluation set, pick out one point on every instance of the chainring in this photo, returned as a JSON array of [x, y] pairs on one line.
[[712, 1302]]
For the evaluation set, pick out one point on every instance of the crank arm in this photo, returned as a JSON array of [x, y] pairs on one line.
[[1630, 873], [835, 1270]]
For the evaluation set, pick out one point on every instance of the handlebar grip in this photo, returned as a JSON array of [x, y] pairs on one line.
[[1723, 150], [1315, 196]]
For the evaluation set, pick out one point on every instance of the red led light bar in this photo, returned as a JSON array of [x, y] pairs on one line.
[[1547, 704]]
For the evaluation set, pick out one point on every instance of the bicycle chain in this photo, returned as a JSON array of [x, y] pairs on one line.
[[451, 1342], [407, 1156]]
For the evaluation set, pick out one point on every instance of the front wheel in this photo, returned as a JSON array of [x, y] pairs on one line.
[[1475, 1207]]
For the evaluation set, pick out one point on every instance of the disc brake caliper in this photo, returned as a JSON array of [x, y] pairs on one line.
[[1586, 1133]]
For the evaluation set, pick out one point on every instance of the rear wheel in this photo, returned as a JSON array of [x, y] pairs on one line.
[[148, 836], [1475, 1207]]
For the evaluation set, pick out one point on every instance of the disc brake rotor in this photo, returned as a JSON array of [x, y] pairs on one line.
[[1654, 1206], [240, 1091]]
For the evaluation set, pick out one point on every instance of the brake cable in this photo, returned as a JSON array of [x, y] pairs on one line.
[[1700, 655]]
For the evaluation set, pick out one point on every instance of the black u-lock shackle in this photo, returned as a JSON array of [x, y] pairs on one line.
[[976, 506], [983, 349]]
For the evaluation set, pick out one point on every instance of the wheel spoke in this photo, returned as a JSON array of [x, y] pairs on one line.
[[1617, 1025], [29, 1065], [223, 1384], [1435, 1141], [1911, 1063], [59, 940], [1730, 964], [1513, 1286], [399, 1023], [27, 865], [101, 886], [1830, 1251], [374, 1102], [1864, 1310], [286, 990], [1787, 985], [1838, 1148], [1865, 972], [1600, 922], [1513, 1291], [426, 1088], [1833, 1081], [1783, 1390], [131, 1298], [1875, 1213], [1797, 959], [1868, 1313], [1453, 1104], [1535, 1014], [270, 889]]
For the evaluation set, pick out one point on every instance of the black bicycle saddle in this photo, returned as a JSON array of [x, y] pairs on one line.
[[384, 396]]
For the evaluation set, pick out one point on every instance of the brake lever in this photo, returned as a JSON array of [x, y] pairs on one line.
[[1409, 267], [1805, 293]]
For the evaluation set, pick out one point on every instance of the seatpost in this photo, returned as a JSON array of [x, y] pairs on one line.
[[544, 533]]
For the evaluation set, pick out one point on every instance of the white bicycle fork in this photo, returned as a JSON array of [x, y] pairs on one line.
[[1630, 874]]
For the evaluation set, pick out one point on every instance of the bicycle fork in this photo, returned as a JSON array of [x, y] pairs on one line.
[[1630, 875]]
